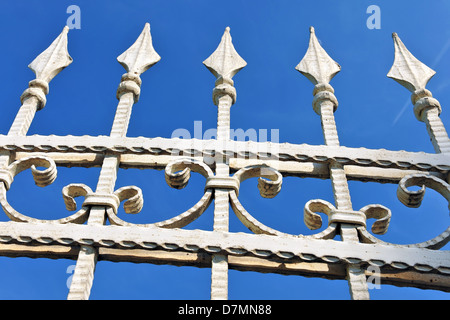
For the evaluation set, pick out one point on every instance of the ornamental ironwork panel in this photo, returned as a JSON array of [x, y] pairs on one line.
[[344, 249]]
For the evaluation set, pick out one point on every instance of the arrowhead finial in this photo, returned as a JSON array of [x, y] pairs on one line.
[[141, 55], [317, 65], [225, 62], [55, 58], [407, 70]]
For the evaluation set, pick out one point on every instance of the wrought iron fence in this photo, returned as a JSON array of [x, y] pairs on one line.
[[95, 232]]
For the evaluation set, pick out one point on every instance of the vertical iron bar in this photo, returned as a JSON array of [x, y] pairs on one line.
[[83, 276], [224, 63], [355, 274], [219, 267], [136, 60]]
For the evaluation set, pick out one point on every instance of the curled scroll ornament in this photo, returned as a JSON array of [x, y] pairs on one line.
[[132, 196], [269, 185], [42, 178], [314, 221], [414, 199], [177, 175]]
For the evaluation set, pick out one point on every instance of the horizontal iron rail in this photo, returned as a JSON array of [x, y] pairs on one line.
[[399, 266], [286, 247], [234, 149], [286, 168]]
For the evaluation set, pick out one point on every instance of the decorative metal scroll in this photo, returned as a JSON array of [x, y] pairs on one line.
[[265, 248]]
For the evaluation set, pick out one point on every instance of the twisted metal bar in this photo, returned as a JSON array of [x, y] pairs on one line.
[[137, 59], [223, 63], [318, 67]]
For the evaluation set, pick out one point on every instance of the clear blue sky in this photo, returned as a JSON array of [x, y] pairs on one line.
[[272, 36]]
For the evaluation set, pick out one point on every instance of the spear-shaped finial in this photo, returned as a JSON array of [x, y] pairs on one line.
[[319, 68], [55, 58], [225, 62], [46, 66], [136, 60], [317, 65], [141, 55], [407, 70]]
